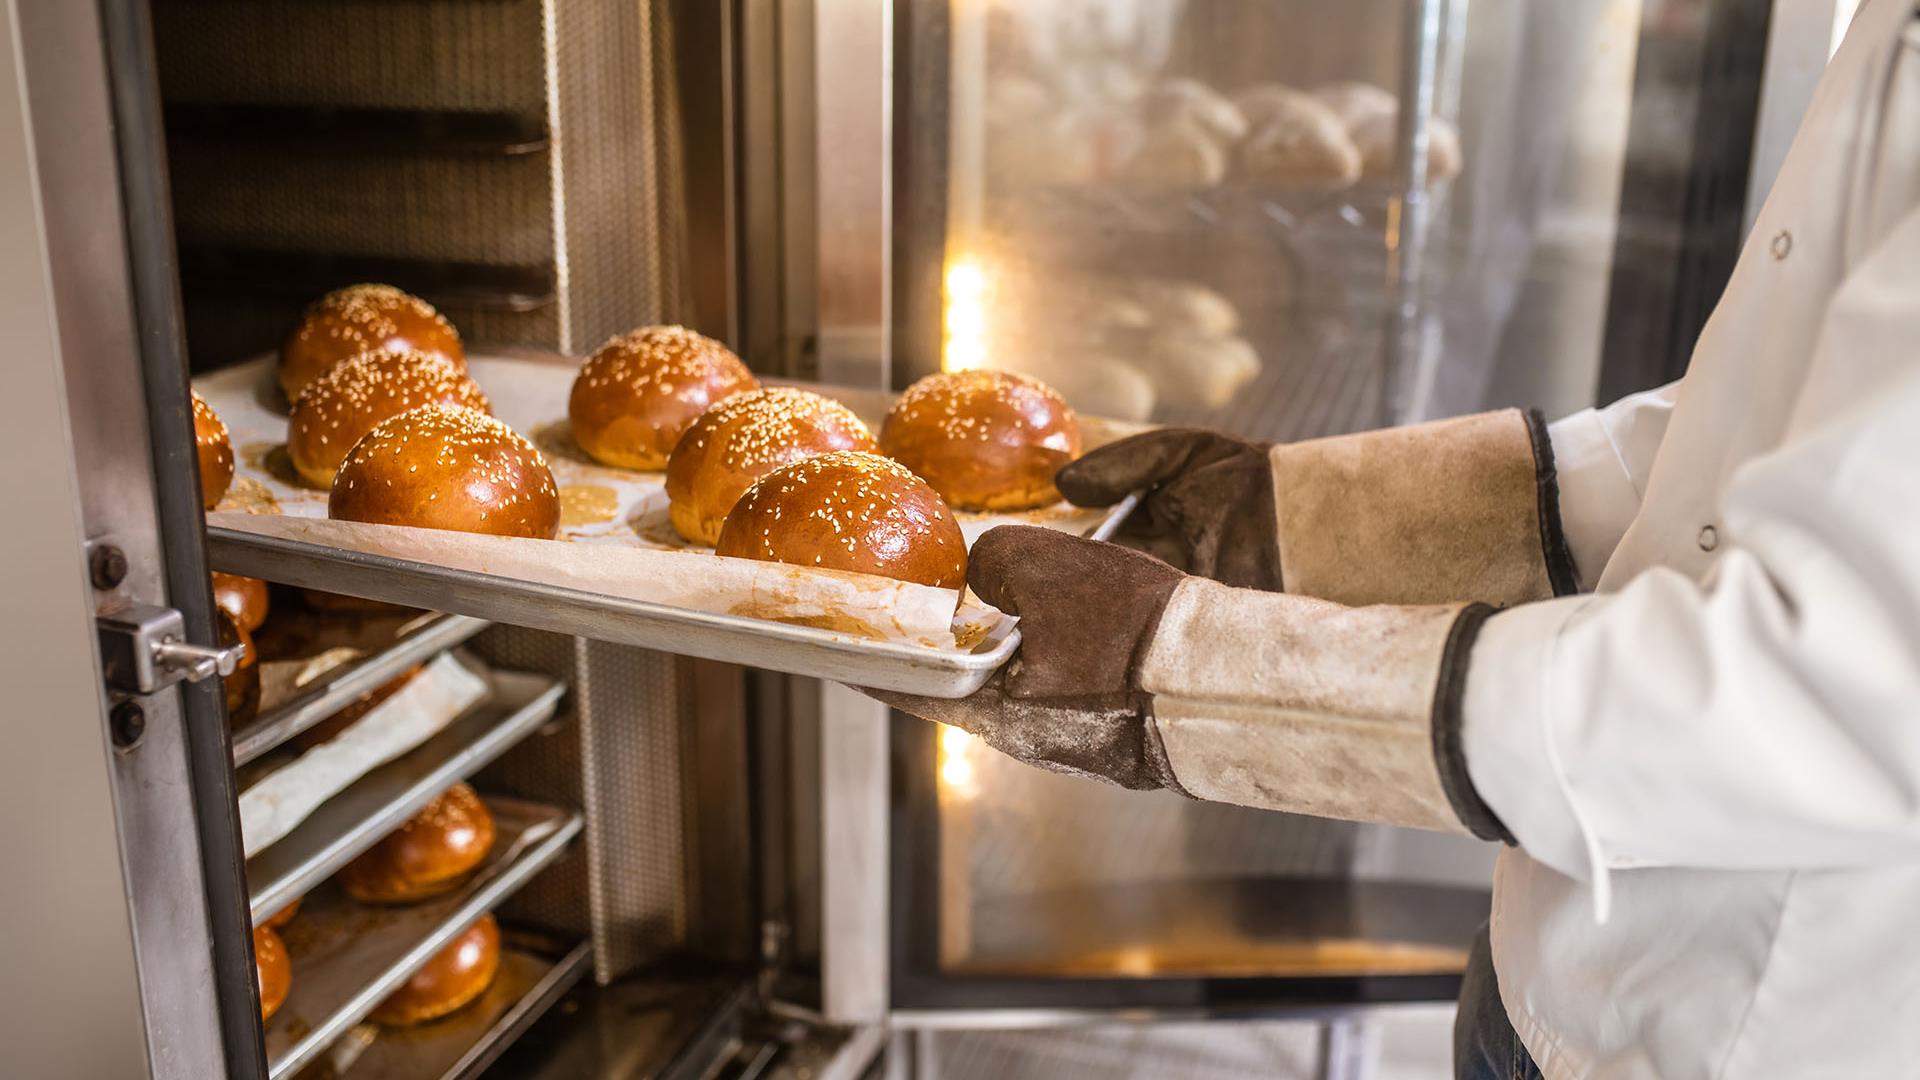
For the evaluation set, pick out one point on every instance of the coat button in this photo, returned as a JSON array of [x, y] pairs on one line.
[[1709, 538], [1782, 244]]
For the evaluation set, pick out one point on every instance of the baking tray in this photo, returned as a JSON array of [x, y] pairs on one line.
[[339, 687], [347, 957], [378, 802], [534, 974], [761, 643]]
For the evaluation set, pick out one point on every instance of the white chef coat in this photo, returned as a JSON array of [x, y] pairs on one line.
[[1712, 761]]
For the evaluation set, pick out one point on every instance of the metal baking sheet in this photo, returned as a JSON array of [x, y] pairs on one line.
[[761, 643], [464, 1044], [375, 804], [347, 957], [338, 688]]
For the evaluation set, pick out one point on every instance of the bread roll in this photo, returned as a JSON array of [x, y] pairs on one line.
[[1185, 305], [849, 511], [1199, 369], [362, 318], [635, 397], [243, 685], [431, 853], [284, 916], [1094, 385], [1176, 155], [273, 969], [455, 976], [1189, 101], [447, 467], [1356, 102], [985, 440], [244, 598], [1297, 141], [347, 717], [216, 453], [743, 439], [355, 395], [1378, 138]]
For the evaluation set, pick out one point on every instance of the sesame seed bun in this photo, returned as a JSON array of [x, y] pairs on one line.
[[216, 453], [353, 397], [431, 853], [743, 439], [985, 440], [244, 598], [362, 318], [849, 511], [635, 397], [273, 969], [455, 976], [447, 467]]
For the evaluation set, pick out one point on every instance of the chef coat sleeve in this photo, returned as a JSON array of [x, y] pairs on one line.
[[1602, 457], [1766, 714]]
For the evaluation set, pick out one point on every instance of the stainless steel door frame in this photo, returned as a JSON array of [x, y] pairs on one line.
[[92, 175]]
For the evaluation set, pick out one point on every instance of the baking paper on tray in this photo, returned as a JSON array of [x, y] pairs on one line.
[[281, 800], [620, 539]]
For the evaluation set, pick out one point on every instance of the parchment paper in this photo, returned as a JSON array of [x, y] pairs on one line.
[[619, 540], [282, 799]]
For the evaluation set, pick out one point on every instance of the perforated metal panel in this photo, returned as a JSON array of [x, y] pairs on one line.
[[616, 751]]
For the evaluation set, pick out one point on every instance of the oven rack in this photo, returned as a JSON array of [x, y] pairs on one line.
[[338, 688], [347, 957], [369, 808], [534, 974]]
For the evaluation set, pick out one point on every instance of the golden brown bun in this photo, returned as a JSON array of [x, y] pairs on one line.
[[345, 718], [455, 976], [243, 686], [273, 969], [284, 916], [743, 439], [216, 453], [428, 855], [985, 440], [447, 467], [362, 318], [634, 398], [849, 511], [244, 598], [354, 396]]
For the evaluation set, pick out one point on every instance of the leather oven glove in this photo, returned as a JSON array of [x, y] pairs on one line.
[[1460, 509], [1135, 673]]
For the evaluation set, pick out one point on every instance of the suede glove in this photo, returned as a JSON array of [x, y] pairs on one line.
[[1465, 509], [1135, 673]]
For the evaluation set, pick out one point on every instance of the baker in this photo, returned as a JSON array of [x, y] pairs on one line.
[[1667, 651]]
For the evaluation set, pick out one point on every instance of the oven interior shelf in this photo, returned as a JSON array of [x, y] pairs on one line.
[[418, 642], [534, 974], [347, 957], [375, 804]]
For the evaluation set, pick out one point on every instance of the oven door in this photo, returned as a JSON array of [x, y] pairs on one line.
[[1084, 192]]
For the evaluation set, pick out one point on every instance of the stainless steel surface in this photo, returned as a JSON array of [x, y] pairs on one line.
[[1412, 357], [854, 795], [81, 1012], [143, 650], [375, 804], [1024, 1019], [339, 687], [852, 189], [464, 1044], [347, 957], [758, 642], [619, 752], [665, 1023]]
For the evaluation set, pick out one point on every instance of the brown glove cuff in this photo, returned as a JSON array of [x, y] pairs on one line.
[[1449, 750], [1456, 510]]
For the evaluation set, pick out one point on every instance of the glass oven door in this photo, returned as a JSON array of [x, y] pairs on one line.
[[1226, 213]]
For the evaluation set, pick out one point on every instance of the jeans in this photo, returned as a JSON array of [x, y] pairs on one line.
[[1484, 1044]]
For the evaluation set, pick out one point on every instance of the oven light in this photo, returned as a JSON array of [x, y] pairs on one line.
[[955, 740], [965, 316], [957, 774]]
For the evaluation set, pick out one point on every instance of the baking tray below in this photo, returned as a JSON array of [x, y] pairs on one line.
[[378, 802], [347, 957], [532, 978]]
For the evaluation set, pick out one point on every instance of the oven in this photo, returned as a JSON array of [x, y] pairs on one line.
[[708, 863]]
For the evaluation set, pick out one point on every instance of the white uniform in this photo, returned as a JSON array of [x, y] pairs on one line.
[[1712, 762]]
